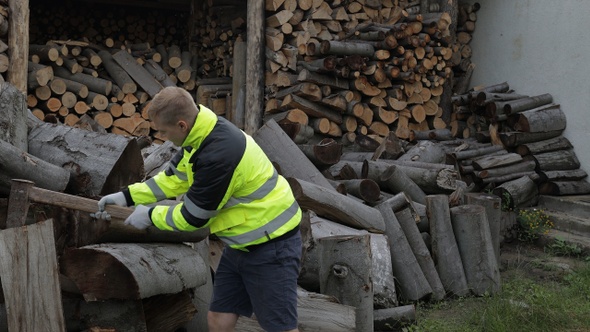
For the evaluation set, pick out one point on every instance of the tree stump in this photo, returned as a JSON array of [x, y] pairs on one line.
[[492, 205], [345, 273], [471, 229], [445, 251]]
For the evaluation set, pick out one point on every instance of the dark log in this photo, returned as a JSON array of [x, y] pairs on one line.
[[158, 73], [391, 319], [30, 281], [18, 41], [158, 159], [281, 149], [168, 312], [511, 176], [470, 225], [135, 271], [571, 175], [496, 161], [412, 283], [445, 252], [574, 187], [308, 76], [528, 103], [312, 109], [365, 189], [424, 151], [522, 192], [557, 160], [472, 153], [99, 164], [552, 144], [395, 180], [492, 205], [104, 315], [117, 73], [345, 170], [13, 123], [511, 139], [95, 84], [433, 134], [324, 154], [236, 113], [17, 164], [408, 225], [346, 48], [523, 166], [335, 206], [139, 74], [345, 273]]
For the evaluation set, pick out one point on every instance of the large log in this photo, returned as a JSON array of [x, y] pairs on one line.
[[560, 160], [384, 295], [345, 273], [548, 145], [524, 166], [528, 103], [543, 120], [282, 150], [365, 189], [410, 229], [117, 73], [18, 41], [139, 74], [522, 192], [424, 151], [30, 281], [335, 206], [576, 174], [474, 240], [412, 283], [391, 319], [99, 163], [492, 205], [397, 181], [574, 187], [133, 271], [323, 154], [13, 122], [254, 96], [445, 251], [505, 159], [511, 139], [17, 164]]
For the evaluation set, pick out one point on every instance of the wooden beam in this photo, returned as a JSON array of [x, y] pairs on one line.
[[255, 66], [18, 43]]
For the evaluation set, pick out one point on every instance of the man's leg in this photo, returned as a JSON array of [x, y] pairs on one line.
[[221, 321]]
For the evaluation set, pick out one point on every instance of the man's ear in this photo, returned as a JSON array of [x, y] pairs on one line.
[[183, 125]]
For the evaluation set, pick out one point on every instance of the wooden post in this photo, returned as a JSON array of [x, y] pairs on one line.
[[29, 274], [255, 66], [18, 43], [345, 273], [239, 86]]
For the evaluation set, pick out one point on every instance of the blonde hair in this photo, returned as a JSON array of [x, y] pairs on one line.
[[172, 104]]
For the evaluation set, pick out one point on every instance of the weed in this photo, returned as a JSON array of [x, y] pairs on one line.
[[560, 247], [531, 223]]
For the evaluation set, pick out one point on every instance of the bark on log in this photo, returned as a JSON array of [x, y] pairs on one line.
[[96, 169], [408, 225], [281, 149], [345, 273], [236, 113], [470, 225], [17, 164], [492, 205], [511, 139], [168, 312], [424, 151], [95, 84], [557, 160], [254, 101], [117, 73], [522, 192], [534, 121], [324, 154], [27, 297], [13, 123], [506, 159], [365, 189], [335, 206], [397, 181], [312, 109], [445, 251], [413, 285], [549, 145], [138, 73], [521, 105], [579, 187], [18, 41], [135, 271], [576, 174], [524, 166], [158, 159]]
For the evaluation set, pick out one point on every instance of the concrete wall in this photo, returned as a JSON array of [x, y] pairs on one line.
[[539, 46]]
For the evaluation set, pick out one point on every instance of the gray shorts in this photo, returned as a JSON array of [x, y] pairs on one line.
[[262, 281]]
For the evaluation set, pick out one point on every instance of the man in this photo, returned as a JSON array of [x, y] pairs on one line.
[[232, 188]]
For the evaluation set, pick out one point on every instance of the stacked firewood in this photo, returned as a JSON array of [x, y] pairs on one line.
[[365, 67], [101, 74], [521, 137], [461, 60]]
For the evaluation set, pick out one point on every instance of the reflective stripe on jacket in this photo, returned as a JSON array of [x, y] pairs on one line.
[[230, 184]]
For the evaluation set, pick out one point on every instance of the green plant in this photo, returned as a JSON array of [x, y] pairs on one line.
[[532, 223], [560, 247], [506, 202]]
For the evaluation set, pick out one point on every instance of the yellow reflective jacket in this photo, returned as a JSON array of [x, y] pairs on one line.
[[230, 184]]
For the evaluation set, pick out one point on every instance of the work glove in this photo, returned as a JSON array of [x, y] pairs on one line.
[[117, 198], [140, 218]]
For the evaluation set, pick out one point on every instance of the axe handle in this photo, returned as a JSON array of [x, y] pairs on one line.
[[44, 196]]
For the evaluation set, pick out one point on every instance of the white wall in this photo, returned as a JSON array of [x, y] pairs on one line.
[[539, 46]]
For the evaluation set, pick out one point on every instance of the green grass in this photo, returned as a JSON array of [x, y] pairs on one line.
[[524, 304]]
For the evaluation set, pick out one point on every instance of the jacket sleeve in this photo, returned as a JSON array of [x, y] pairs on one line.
[[168, 183]]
